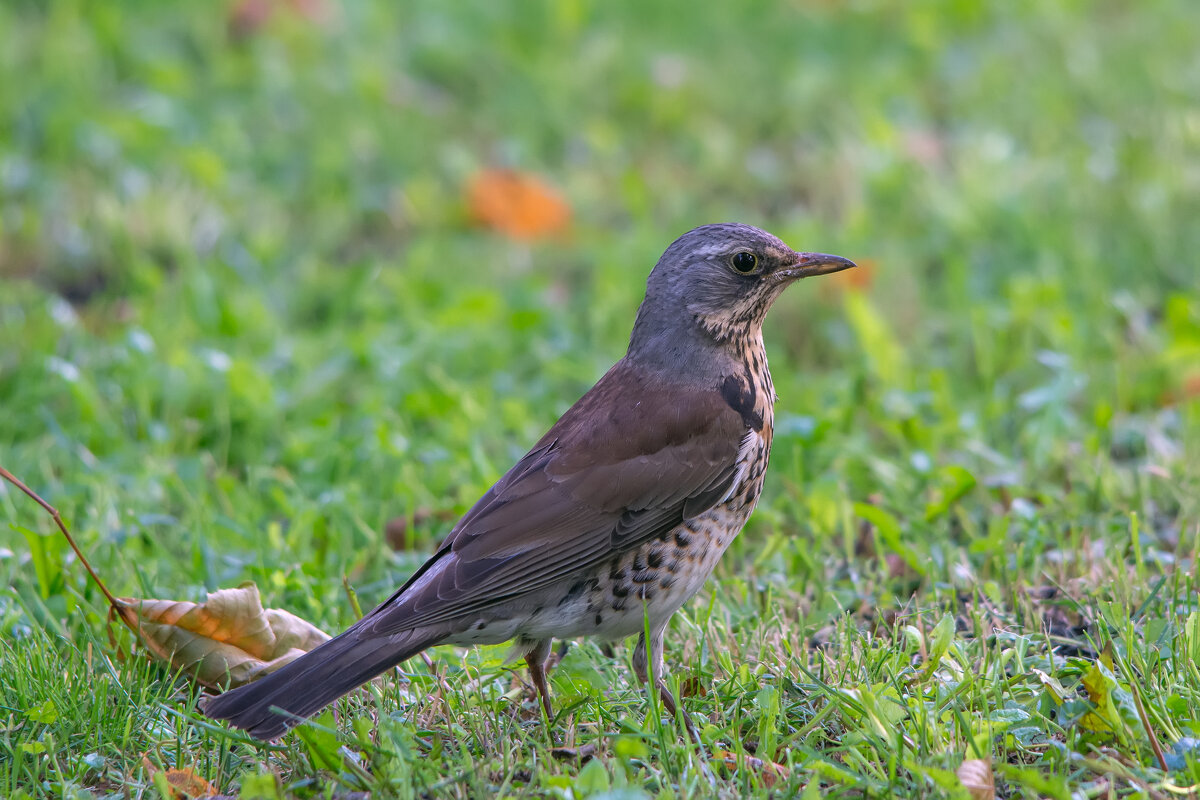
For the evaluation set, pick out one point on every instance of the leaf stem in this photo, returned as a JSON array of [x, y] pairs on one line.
[[117, 605]]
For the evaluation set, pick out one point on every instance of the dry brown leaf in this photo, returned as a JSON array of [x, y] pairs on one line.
[[858, 279], [186, 783], [977, 778], [581, 754], [227, 641], [769, 771], [182, 783], [1189, 389], [518, 205]]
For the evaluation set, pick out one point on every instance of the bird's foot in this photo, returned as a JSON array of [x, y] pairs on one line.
[[672, 708]]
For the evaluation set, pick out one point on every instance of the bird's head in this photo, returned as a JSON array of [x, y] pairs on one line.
[[720, 281]]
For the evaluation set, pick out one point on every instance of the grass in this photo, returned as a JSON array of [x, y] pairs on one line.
[[247, 322]]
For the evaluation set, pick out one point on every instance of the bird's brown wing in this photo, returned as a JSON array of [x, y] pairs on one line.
[[626, 464]]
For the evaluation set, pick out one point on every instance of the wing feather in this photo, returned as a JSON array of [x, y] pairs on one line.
[[626, 464]]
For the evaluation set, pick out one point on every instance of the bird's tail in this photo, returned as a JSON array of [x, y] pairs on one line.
[[313, 681]]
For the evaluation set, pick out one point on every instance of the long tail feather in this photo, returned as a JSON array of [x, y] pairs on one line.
[[313, 681]]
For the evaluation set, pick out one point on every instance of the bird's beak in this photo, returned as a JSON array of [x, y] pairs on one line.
[[809, 264]]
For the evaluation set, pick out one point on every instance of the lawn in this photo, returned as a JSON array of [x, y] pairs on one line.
[[256, 326]]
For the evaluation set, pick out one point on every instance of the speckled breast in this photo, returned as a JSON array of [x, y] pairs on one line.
[[650, 582], [653, 581]]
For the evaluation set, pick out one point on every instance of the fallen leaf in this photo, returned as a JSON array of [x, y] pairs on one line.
[[518, 205], [226, 641], [1189, 389], [977, 778], [180, 783], [1057, 692], [186, 783], [769, 771], [858, 279], [1097, 683], [581, 754]]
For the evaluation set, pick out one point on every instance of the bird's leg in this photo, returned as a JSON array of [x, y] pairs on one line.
[[558, 655], [640, 662], [651, 671], [536, 659]]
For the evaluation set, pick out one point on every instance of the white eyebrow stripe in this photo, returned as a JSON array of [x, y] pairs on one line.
[[711, 250]]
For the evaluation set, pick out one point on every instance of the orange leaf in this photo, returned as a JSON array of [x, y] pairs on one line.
[[859, 279], [228, 640], [518, 205], [182, 783], [188, 784], [768, 770]]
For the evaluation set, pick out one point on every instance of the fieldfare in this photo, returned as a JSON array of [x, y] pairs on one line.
[[616, 517]]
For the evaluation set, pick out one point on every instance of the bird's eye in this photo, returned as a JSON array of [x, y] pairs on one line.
[[744, 262]]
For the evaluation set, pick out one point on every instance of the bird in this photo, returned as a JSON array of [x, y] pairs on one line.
[[615, 518]]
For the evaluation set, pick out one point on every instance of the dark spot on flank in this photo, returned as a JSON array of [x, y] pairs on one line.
[[673, 565], [639, 563], [599, 619], [620, 590], [655, 559], [682, 538], [667, 581], [480, 625], [577, 588], [617, 573], [645, 576], [741, 395]]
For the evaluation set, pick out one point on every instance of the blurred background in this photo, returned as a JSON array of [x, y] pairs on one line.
[[343, 245], [350, 258], [286, 284]]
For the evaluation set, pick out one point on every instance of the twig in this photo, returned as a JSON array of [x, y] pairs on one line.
[[1158, 752], [119, 607]]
